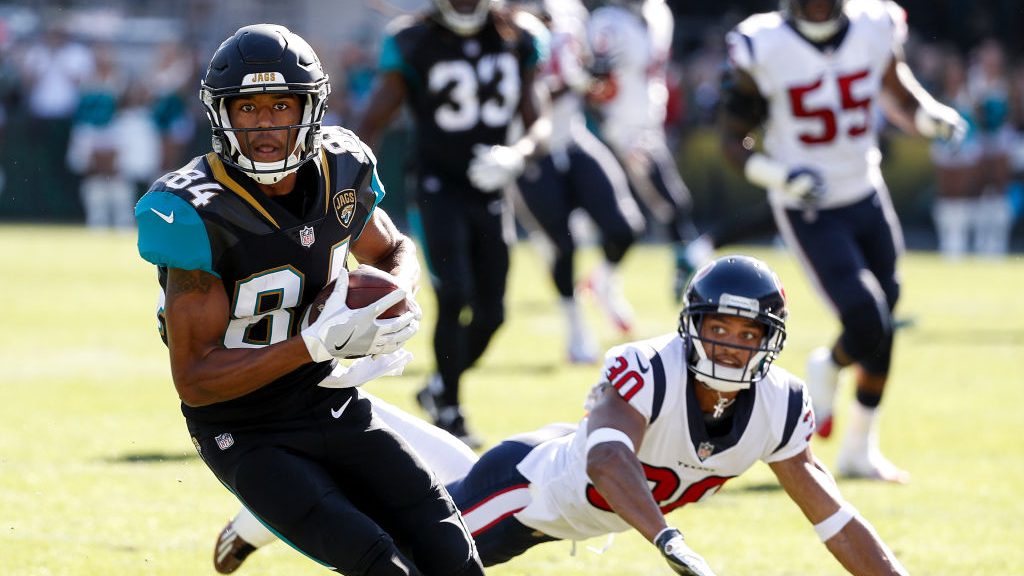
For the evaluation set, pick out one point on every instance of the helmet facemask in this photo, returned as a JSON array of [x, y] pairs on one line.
[[304, 137], [704, 349], [795, 11], [463, 23]]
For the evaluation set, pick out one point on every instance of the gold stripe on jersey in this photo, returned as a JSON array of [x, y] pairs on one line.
[[325, 167], [221, 175]]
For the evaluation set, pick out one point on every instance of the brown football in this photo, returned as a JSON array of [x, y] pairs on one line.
[[366, 285]]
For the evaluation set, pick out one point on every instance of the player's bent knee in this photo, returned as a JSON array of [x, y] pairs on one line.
[[447, 548], [866, 327], [382, 559]]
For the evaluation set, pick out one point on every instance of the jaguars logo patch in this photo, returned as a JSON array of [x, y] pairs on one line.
[[344, 203]]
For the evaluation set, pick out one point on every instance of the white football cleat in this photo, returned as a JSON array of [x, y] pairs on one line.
[[822, 381], [869, 464]]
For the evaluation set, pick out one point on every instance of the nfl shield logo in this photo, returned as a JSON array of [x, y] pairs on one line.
[[704, 450], [306, 236], [225, 441]]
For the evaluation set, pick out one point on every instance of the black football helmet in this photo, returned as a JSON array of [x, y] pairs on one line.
[[463, 23], [796, 12], [736, 286], [265, 58]]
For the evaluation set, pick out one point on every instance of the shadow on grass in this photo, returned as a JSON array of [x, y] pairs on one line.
[[967, 337], [757, 488], [152, 457]]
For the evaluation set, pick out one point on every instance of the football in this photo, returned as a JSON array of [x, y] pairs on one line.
[[366, 285]]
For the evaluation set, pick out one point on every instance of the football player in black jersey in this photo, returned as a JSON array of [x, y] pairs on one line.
[[244, 239], [467, 71]]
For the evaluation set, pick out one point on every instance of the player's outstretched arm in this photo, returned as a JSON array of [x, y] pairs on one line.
[[614, 430], [930, 118], [846, 534], [388, 95]]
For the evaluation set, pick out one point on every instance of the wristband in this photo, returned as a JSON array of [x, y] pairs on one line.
[[602, 435], [831, 526]]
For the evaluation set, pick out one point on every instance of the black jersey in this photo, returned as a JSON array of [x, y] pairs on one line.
[[463, 90], [207, 216]]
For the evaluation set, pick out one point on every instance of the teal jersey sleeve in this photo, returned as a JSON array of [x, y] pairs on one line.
[[540, 49], [172, 234], [391, 59], [378, 192]]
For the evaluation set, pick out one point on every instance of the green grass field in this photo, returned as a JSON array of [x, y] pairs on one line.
[[98, 476]]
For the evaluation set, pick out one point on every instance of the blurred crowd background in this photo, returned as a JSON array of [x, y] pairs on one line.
[[99, 97]]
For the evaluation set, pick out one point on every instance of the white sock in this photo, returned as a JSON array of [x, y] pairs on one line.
[[952, 221], [252, 530], [861, 431], [573, 317], [994, 223]]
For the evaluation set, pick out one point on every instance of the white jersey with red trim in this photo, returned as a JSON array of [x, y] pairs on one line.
[[822, 103], [639, 47], [565, 71], [772, 421]]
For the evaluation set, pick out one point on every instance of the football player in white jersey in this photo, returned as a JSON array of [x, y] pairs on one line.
[[672, 419], [631, 41], [811, 74], [576, 172]]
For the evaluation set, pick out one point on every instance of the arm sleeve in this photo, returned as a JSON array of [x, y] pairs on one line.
[[371, 193], [898, 17], [392, 60], [172, 234], [794, 419], [742, 56], [628, 370]]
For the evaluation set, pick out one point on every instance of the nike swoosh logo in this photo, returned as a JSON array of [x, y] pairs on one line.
[[643, 369], [337, 413], [169, 218], [342, 345]]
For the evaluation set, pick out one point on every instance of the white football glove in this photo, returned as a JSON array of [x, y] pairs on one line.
[[343, 332], [801, 182], [935, 120], [494, 167], [679, 556], [805, 184]]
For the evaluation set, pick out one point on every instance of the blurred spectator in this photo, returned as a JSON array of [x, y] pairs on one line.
[[114, 145], [989, 88], [358, 68], [9, 97], [173, 86], [956, 166], [53, 71]]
